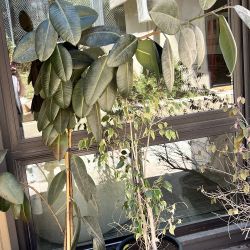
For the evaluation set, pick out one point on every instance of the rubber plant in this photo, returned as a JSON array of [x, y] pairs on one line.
[[75, 78]]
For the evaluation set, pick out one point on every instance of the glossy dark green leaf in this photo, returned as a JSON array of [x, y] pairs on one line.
[[60, 146], [46, 39], [207, 4], [87, 16], [100, 36], [43, 121], [77, 227], [83, 180], [187, 47], [56, 187], [66, 21], [94, 122], [227, 44], [10, 189], [49, 80], [76, 75], [61, 121], [165, 16], [25, 21], [49, 135], [97, 79], [107, 99], [2, 155], [63, 95], [4, 205], [123, 51], [80, 59], [148, 56], [62, 63], [200, 45], [94, 231], [244, 14], [124, 78], [25, 49], [52, 109], [168, 65], [79, 105]]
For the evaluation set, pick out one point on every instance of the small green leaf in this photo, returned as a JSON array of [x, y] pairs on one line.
[[49, 135], [87, 16], [100, 36], [56, 187], [62, 63], [61, 121], [168, 186], [94, 122], [207, 4], [107, 99], [77, 227], [10, 189], [123, 50], [46, 39], [63, 95], [148, 56], [227, 44], [60, 146], [25, 49], [52, 109], [168, 65], [72, 120], [97, 79], [83, 180], [187, 47], [66, 21], [124, 78], [244, 14], [43, 121]]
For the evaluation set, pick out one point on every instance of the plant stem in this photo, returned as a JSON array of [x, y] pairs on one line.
[[69, 196], [150, 34]]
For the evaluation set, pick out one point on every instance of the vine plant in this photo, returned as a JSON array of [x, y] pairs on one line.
[[77, 79]]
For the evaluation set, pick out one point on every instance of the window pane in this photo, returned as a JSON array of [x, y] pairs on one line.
[[38, 11], [182, 164]]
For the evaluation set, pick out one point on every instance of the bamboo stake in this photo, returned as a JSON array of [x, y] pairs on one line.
[[69, 196]]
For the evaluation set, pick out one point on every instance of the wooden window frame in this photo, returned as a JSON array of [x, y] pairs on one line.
[[26, 151]]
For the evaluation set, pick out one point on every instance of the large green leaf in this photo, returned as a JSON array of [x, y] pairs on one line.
[[87, 16], [244, 14], [124, 78], [95, 232], [66, 21], [207, 4], [97, 79], [100, 36], [147, 55], [43, 121], [123, 50], [10, 189], [62, 62], [46, 39], [94, 122], [25, 50], [79, 105], [56, 187], [77, 227], [52, 109], [2, 155], [63, 95], [168, 64], [60, 146], [61, 121], [165, 16], [107, 99], [49, 135], [227, 44], [200, 45], [49, 80], [187, 47], [4, 205], [72, 120], [83, 180], [80, 59]]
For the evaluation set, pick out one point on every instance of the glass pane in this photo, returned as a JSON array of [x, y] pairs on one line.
[[38, 10], [182, 164]]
